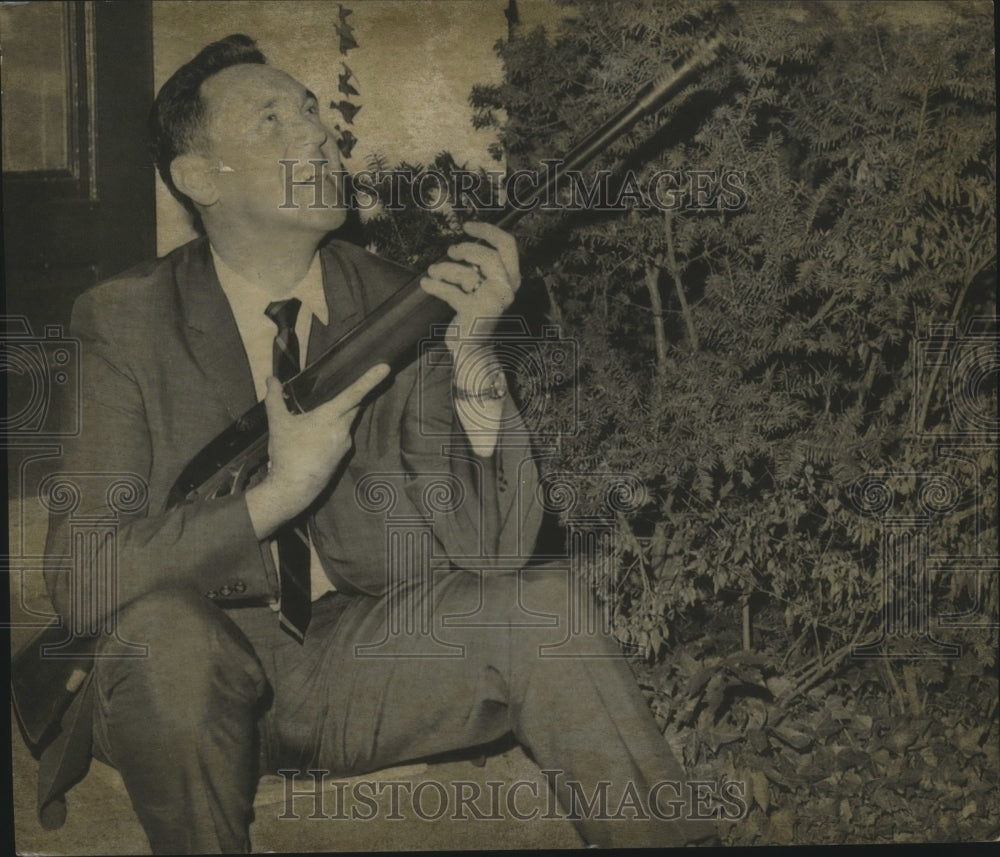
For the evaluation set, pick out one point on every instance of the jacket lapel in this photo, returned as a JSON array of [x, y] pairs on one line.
[[344, 304], [215, 340], [212, 334]]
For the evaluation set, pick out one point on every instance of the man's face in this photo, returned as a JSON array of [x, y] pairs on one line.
[[256, 117]]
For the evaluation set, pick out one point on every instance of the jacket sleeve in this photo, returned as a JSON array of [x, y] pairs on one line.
[[485, 510], [104, 488], [414, 470]]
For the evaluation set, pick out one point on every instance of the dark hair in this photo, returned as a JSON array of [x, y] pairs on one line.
[[177, 120]]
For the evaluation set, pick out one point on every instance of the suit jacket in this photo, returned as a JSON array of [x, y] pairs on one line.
[[164, 371]]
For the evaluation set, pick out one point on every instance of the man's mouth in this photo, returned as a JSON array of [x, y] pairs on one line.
[[306, 171]]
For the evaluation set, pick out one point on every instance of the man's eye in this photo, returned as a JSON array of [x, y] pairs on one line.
[[313, 109], [271, 117]]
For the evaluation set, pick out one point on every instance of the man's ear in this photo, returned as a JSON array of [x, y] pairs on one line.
[[194, 177]]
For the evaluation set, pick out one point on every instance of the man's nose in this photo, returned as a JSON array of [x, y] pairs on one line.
[[310, 131]]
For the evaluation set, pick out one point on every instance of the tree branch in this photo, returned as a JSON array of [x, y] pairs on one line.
[[929, 389], [656, 306], [675, 275]]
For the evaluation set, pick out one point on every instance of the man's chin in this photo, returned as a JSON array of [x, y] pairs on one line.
[[321, 221]]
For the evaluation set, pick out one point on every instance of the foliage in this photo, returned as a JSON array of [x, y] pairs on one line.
[[417, 207], [756, 367], [844, 762], [748, 365]]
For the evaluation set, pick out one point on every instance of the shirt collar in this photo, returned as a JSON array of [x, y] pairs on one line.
[[248, 297]]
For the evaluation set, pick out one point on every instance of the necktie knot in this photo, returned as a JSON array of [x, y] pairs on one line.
[[286, 343], [284, 313]]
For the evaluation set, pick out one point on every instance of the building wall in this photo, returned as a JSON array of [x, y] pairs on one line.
[[414, 67]]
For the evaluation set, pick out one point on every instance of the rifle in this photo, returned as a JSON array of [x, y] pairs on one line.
[[47, 673]]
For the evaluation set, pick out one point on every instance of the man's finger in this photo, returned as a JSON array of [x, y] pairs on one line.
[[273, 398], [446, 292], [352, 396], [505, 244], [490, 234], [485, 258], [466, 277]]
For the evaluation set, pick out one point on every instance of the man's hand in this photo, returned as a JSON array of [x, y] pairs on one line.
[[304, 450], [479, 285], [481, 281]]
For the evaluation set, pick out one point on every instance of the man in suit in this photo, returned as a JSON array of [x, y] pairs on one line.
[[247, 668]]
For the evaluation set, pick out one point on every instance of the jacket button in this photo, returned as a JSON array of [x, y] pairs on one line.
[[239, 587], [212, 593], [225, 591]]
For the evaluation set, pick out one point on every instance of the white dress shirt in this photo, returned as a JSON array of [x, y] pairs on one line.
[[248, 301]]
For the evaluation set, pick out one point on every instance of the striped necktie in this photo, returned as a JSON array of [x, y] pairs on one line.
[[293, 537]]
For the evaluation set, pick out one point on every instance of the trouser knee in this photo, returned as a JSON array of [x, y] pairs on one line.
[[550, 611], [177, 650], [179, 722]]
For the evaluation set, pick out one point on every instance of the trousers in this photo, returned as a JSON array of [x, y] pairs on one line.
[[223, 696]]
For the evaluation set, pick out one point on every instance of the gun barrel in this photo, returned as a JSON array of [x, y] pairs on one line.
[[393, 329], [649, 99]]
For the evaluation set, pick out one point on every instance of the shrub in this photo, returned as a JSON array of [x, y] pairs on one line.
[[749, 362]]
